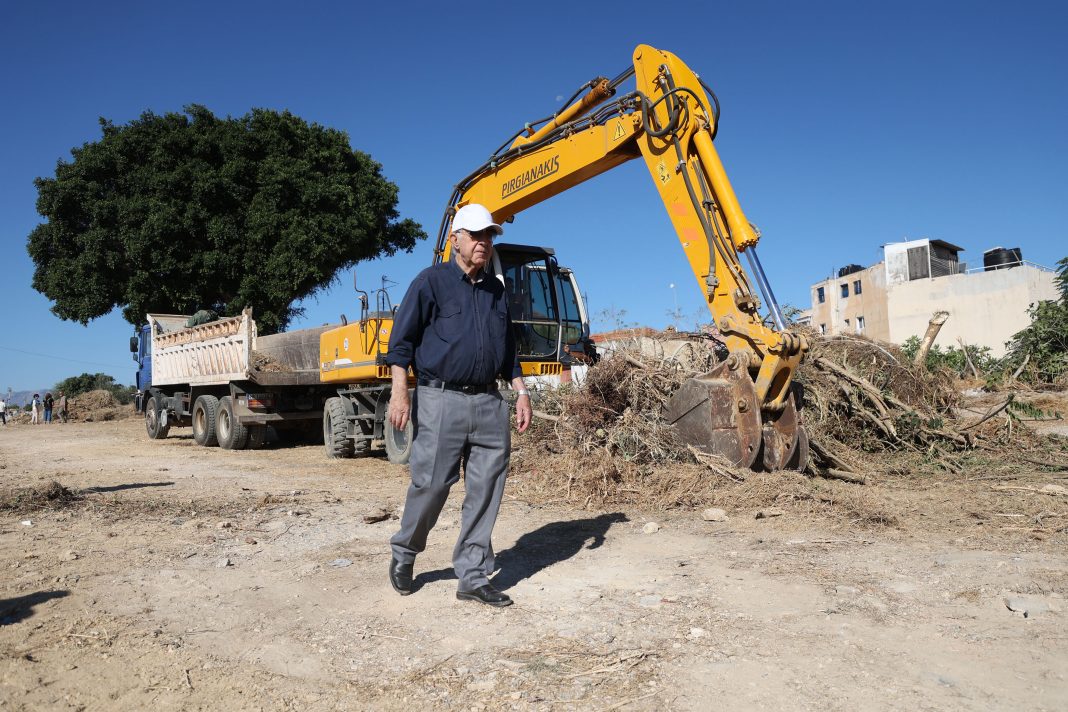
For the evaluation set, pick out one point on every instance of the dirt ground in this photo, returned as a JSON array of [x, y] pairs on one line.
[[201, 579]]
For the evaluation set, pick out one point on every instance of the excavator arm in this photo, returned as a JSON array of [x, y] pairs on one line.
[[745, 407]]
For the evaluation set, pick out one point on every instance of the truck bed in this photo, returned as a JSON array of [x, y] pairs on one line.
[[287, 359], [229, 349]]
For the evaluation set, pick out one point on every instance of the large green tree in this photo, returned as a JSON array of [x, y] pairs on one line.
[[189, 211]]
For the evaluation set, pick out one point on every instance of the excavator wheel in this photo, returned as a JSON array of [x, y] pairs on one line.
[[718, 412], [785, 440]]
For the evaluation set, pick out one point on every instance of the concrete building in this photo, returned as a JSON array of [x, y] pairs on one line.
[[894, 299], [852, 303]]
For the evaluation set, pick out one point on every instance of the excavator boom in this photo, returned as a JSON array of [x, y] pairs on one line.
[[744, 408]]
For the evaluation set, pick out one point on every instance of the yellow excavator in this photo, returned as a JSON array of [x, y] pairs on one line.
[[744, 409]]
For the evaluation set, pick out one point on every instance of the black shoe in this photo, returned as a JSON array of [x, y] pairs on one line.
[[485, 594], [400, 576]]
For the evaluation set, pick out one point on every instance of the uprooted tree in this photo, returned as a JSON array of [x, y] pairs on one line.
[[188, 211]]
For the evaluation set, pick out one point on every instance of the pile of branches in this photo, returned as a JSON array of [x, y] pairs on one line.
[[97, 406], [607, 441], [864, 396], [28, 499], [861, 396]]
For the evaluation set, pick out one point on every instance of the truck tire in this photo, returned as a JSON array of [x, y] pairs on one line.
[[232, 434], [205, 411], [157, 430], [398, 442], [336, 429], [257, 436]]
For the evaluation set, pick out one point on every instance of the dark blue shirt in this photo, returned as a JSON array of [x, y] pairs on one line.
[[453, 329]]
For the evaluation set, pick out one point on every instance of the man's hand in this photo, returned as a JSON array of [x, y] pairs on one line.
[[523, 412], [400, 404], [400, 408]]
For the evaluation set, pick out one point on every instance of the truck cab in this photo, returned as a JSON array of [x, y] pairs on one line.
[[141, 351]]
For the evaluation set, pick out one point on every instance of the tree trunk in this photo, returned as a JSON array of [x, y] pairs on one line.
[[933, 327]]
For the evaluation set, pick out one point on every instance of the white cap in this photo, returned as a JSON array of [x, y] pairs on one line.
[[474, 217]]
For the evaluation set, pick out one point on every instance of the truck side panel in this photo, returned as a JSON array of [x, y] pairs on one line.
[[209, 354]]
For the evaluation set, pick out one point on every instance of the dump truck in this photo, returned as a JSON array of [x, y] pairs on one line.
[[230, 384], [226, 381]]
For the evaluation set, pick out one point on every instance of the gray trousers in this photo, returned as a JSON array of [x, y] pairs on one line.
[[450, 427]]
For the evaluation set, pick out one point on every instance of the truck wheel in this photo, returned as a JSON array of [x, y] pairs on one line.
[[335, 429], [398, 442], [205, 410], [257, 436], [153, 423], [232, 434]]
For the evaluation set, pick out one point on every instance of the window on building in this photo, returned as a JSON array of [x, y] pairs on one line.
[[856, 287], [823, 328], [821, 296], [847, 324], [860, 325], [919, 262], [845, 290]]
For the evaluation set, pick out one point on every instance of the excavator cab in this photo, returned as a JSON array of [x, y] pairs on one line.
[[530, 275], [574, 320]]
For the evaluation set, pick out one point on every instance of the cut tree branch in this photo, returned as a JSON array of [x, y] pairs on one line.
[[968, 357], [1023, 365], [991, 413], [933, 327]]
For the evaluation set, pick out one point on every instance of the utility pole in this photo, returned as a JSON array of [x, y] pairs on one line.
[[675, 316]]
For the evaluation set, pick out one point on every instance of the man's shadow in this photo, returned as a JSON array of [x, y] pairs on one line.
[[551, 544], [539, 549], [13, 610], [132, 485]]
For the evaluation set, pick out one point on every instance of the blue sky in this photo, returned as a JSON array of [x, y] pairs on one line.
[[845, 125]]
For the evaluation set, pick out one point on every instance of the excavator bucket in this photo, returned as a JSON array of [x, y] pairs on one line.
[[719, 413], [785, 440]]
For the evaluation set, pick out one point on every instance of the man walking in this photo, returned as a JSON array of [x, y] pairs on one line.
[[62, 407], [454, 330], [3, 411], [35, 410], [49, 402]]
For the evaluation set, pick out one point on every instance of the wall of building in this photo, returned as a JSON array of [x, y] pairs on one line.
[[840, 315], [985, 308]]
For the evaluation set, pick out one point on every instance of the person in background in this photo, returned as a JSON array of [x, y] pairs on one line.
[[35, 410], [49, 404], [62, 407], [3, 412]]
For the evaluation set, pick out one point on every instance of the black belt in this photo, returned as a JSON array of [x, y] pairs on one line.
[[459, 387]]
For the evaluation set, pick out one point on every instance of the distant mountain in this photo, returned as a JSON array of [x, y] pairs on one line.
[[21, 398]]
